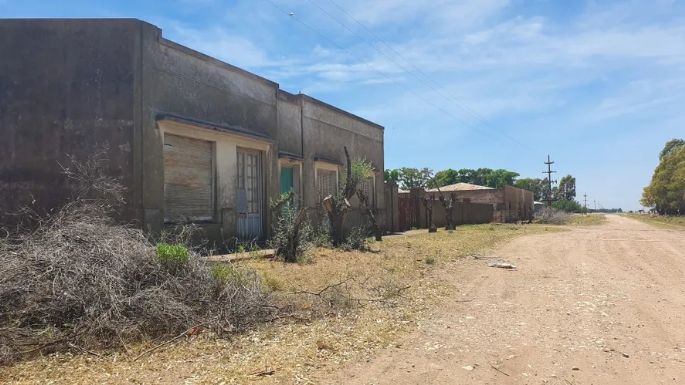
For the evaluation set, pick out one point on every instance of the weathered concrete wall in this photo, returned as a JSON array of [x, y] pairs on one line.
[[290, 124], [510, 204], [392, 211], [326, 130], [69, 86], [184, 83], [66, 88], [517, 204], [463, 214]]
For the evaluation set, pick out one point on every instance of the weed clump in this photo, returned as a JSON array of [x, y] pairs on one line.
[[552, 216], [172, 255], [356, 239]]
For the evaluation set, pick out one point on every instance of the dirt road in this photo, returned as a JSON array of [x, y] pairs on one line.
[[595, 305]]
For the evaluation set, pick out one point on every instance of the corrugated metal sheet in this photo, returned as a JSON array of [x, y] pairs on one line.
[[188, 179]]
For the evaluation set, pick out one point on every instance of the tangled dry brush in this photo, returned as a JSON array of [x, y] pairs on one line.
[[80, 281]]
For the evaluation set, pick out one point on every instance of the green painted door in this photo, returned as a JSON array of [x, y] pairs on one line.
[[286, 179]]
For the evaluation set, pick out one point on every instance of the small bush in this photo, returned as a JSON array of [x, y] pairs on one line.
[[357, 239], [430, 260], [226, 274], [321, 233], [552, 216], [172, 255], [292, 231]]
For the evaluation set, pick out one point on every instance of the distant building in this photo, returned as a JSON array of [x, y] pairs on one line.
[[510, 204]]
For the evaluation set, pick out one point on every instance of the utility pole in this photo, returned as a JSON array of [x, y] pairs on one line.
[[549, 173], [585, 203]]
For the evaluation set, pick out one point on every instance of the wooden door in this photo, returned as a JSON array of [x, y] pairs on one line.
[[249, 195]]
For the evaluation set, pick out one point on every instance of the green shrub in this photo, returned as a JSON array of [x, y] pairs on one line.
[[172, 255], [357, 239], [227, 274], [292, 235]]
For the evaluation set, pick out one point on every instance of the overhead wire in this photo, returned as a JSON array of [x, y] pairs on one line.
[[427, 101]]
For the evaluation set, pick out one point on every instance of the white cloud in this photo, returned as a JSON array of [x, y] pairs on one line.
[[219, 43]]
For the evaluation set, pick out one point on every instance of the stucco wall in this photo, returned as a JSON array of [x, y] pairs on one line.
[[66, 88], [326, 131], [518, 204], [510, 204], [69, 86], [181, 82], [289, 123]]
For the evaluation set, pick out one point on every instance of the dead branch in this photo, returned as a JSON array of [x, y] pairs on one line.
[[188, 332], [497, 369]]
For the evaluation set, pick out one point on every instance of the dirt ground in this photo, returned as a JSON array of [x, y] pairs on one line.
[[595, 305]]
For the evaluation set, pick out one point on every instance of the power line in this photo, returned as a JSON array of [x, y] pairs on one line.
[[435, 88], [371, 67], [427, 78], [549, 173]]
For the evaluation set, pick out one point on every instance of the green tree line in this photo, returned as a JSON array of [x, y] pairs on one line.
[[666, 191], [563, 194]]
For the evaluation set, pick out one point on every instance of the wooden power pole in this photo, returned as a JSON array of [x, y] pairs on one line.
[[549, 173], [585, 203]]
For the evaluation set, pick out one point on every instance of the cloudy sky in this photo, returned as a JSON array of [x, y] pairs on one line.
[[598, 85]]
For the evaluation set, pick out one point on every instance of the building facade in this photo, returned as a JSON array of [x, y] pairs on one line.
[[192, 139], [509, 204]]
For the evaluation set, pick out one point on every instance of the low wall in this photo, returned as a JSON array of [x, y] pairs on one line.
[[462, 214], [412, 212]]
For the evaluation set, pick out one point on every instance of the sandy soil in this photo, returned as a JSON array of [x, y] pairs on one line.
[[595, 305]]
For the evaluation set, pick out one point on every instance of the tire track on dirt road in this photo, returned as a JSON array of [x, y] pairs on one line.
[[594, 305]]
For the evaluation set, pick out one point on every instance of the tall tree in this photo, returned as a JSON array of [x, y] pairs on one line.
[[414, 178], [567, 188], [536, 185], [481, 176], [391, 175], [445, 177], [500, 178], [666, 191], [670, 146]]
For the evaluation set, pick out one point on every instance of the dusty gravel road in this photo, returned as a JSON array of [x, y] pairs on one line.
[[595, 305]]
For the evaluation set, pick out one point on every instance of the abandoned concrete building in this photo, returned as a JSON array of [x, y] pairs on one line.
[[509, 204], [473, 204], [193, 139]]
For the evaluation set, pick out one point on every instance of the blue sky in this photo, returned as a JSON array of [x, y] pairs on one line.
[[599, 85]]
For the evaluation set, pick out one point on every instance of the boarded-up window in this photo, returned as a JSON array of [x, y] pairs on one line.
[[188, 179], [327, 182]]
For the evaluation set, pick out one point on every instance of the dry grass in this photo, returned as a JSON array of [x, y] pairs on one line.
[[587, 220], [665, 221], [78, 281], [386, 292]]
